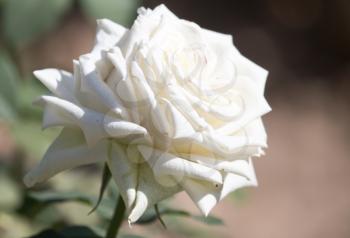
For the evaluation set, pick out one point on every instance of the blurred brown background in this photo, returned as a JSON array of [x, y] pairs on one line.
[[304, 179]]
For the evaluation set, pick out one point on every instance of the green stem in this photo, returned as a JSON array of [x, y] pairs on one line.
[[117, 219]]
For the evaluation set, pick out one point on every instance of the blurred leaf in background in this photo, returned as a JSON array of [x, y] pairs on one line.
[[24, 21], [68, 232], [8, 85], [10, 192], [121, 11]]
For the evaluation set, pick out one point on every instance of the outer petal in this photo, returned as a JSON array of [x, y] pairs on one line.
[[159, 11], [59, 82], [108, 34], [207, 196], [254, 106], [124, 173], [68, 151], [253, 71], [233, 181], [95, 126], [136, 182], [239, 167], [146, 22], [203, 194], [149, 192], [246, 66], [164, 163]]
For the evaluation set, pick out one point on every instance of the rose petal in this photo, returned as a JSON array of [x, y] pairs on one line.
[[149, 192], [206, 196], [93, 82], [68, 151], [59, 82], [164, 163], [124, 173]]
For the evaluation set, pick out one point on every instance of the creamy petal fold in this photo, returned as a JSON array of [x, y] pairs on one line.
[[86, 98], [164, 163], [182, 104], [58, 112], [240, 167], [108, 35], [180, 126], [94, 83], [253, 103], [95, 126]]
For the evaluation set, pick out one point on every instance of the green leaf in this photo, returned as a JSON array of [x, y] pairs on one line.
[[25, 20], [105, 209], [121, 11], [159, 216], [68, 232], [6, 111], [49, 233], [41, 200], [240, 195], [148, 217], [55, 197], [10, 192], [36, 203], [27, 136], [151, 216], [131, 236], [78, 232], [28, 91], [8, 80], [175, 212], [210, 220], [106, 177]]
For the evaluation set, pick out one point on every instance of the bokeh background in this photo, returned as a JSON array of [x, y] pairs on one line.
[[304, 179]]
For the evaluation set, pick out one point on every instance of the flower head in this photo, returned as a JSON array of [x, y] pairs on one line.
[[169, 106]]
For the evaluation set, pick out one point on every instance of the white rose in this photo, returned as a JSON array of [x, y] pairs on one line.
[[168, 105]]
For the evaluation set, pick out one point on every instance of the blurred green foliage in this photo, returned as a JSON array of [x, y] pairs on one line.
[[120, 11], [24, 21], [8, 84]]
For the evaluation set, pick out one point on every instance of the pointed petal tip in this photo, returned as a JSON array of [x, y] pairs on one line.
[[39, 73], [45, 74], [140, 206], [206, 213], [206, 205], [130, 223], [110, 26], [105, 22], [75, 63], [29, 180]]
